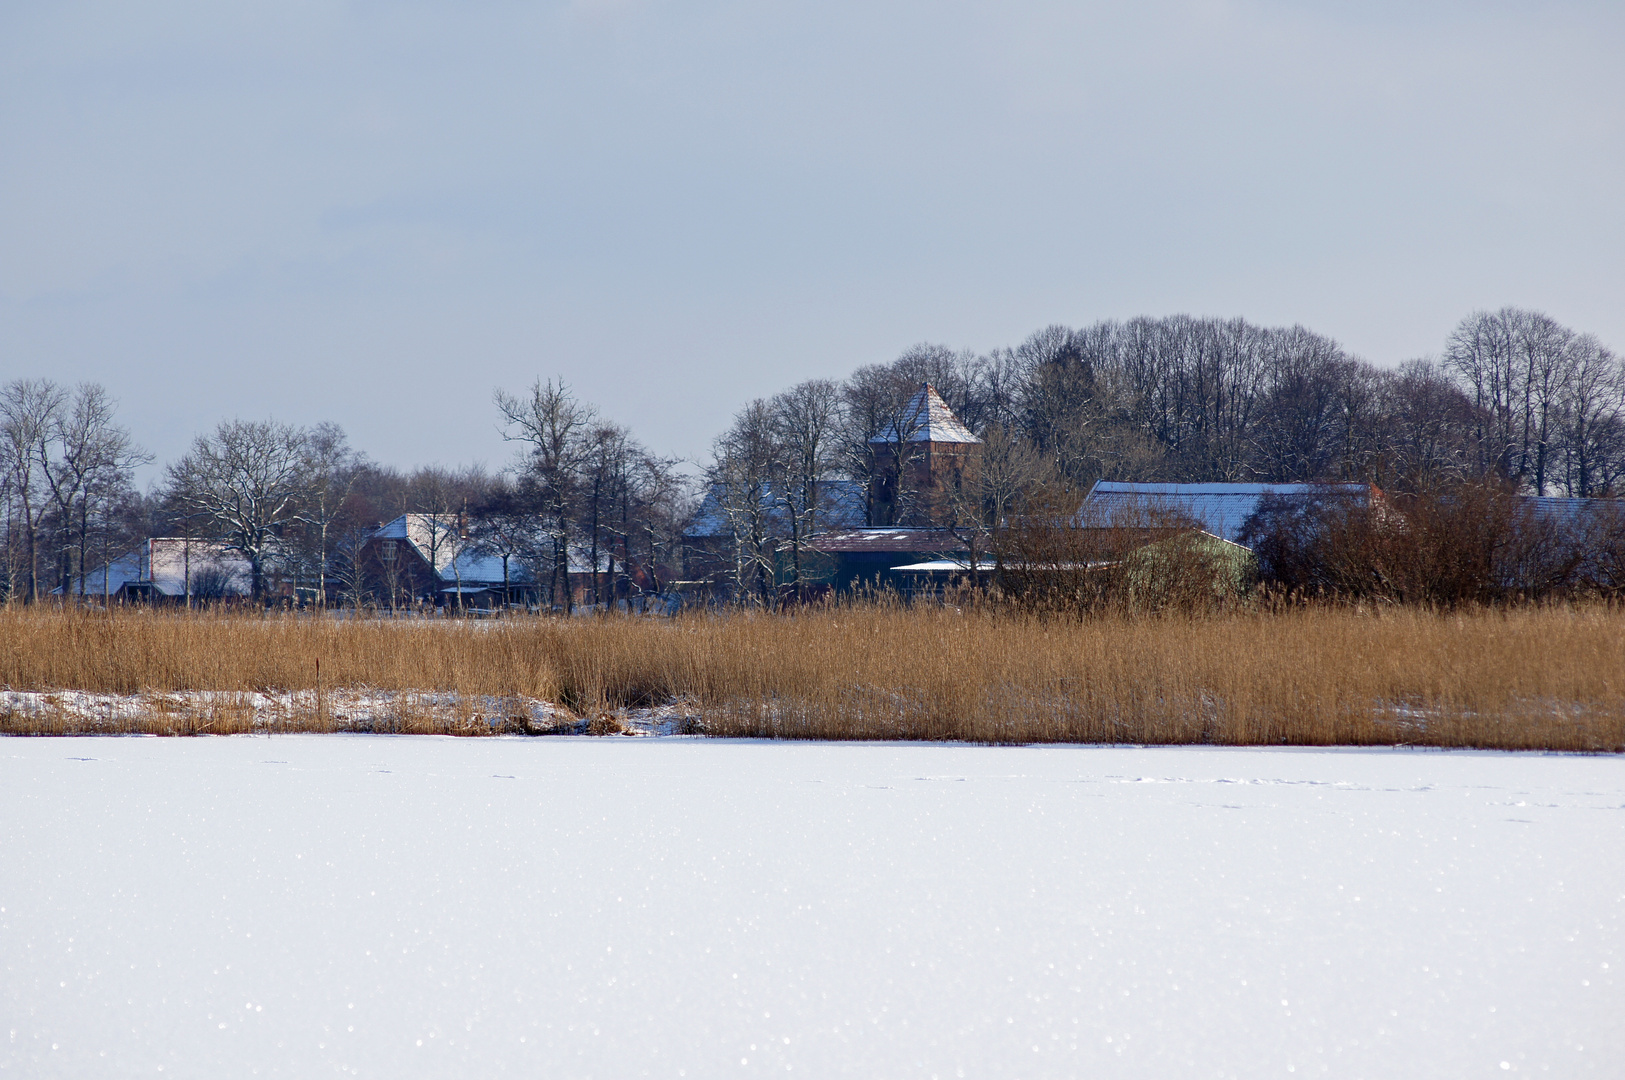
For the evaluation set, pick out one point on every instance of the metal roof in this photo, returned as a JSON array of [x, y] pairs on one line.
[[927, 418], [1221, 509], [1568, 511]]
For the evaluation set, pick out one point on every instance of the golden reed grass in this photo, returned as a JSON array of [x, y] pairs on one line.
[[1528, 678]]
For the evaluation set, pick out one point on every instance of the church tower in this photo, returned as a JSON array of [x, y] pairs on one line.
[[920, 465]]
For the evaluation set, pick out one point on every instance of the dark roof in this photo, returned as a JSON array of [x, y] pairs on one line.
[[882, 540]]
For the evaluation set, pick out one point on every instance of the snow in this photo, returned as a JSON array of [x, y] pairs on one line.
[[927, 418], [165, 562], [430, 907], [349, 709]]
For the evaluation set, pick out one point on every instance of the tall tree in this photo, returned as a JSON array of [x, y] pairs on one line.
[[553, 426], [86, 463], [745, 465], [29, 412], [608, 454], [1591, 418], [246, 478], [330, 470], [805, 426]]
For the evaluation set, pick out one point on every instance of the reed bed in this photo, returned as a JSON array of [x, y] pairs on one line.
[[1523, 678]]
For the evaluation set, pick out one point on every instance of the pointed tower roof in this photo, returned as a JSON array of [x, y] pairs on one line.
[[927, 418]]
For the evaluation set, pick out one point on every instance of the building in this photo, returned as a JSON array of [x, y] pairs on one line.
[[1220, 509], [720, 527], [167, 569], [1135, 563], [920, 463], [425, 559], [880, 558]]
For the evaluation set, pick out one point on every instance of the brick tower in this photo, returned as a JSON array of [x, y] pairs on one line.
[[920, 463]]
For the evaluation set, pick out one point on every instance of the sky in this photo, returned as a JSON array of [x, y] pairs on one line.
[[379, 213]]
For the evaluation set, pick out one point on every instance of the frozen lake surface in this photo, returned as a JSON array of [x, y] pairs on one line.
[[420, 907]]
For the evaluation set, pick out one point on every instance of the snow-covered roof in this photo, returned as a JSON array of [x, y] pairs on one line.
[[163, 563], [1221, 509], [927, 418], [841, 506], [458, 558], [884, 540], [931, 566]]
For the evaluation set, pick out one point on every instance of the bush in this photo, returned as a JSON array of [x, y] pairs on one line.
[[1477, 542]]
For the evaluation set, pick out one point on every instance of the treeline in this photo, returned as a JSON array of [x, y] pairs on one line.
[[1514, 404], [298, 503], [1514, 399], [1513, 395]]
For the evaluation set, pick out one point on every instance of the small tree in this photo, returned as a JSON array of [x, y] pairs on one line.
[[504, 525]]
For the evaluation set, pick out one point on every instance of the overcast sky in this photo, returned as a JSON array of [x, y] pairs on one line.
[[375, 213]]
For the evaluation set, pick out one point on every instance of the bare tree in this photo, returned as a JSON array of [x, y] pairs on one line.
[[86, 461], [745, 464], [442, 497], [349, 561], [29, 411], [805, 425], [553, 426], [661, 505], [1010, 473], [504, 525], [608, 454], [1428, 430], [1591, 418], [246, 479], [329, 470]]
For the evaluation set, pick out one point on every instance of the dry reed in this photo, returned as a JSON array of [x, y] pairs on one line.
[[1529, 678]]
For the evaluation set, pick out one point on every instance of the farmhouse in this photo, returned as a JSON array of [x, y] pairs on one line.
[[430, 559]]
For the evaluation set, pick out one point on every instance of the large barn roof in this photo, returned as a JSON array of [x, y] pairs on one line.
[[927, 418], [164, 563], [1221, 509], [1571, 512]]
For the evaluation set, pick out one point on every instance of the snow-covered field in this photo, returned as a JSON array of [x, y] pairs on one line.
[[423, 907]]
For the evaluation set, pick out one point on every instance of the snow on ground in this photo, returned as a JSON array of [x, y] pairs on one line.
[[430, 907], [347, 709]]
